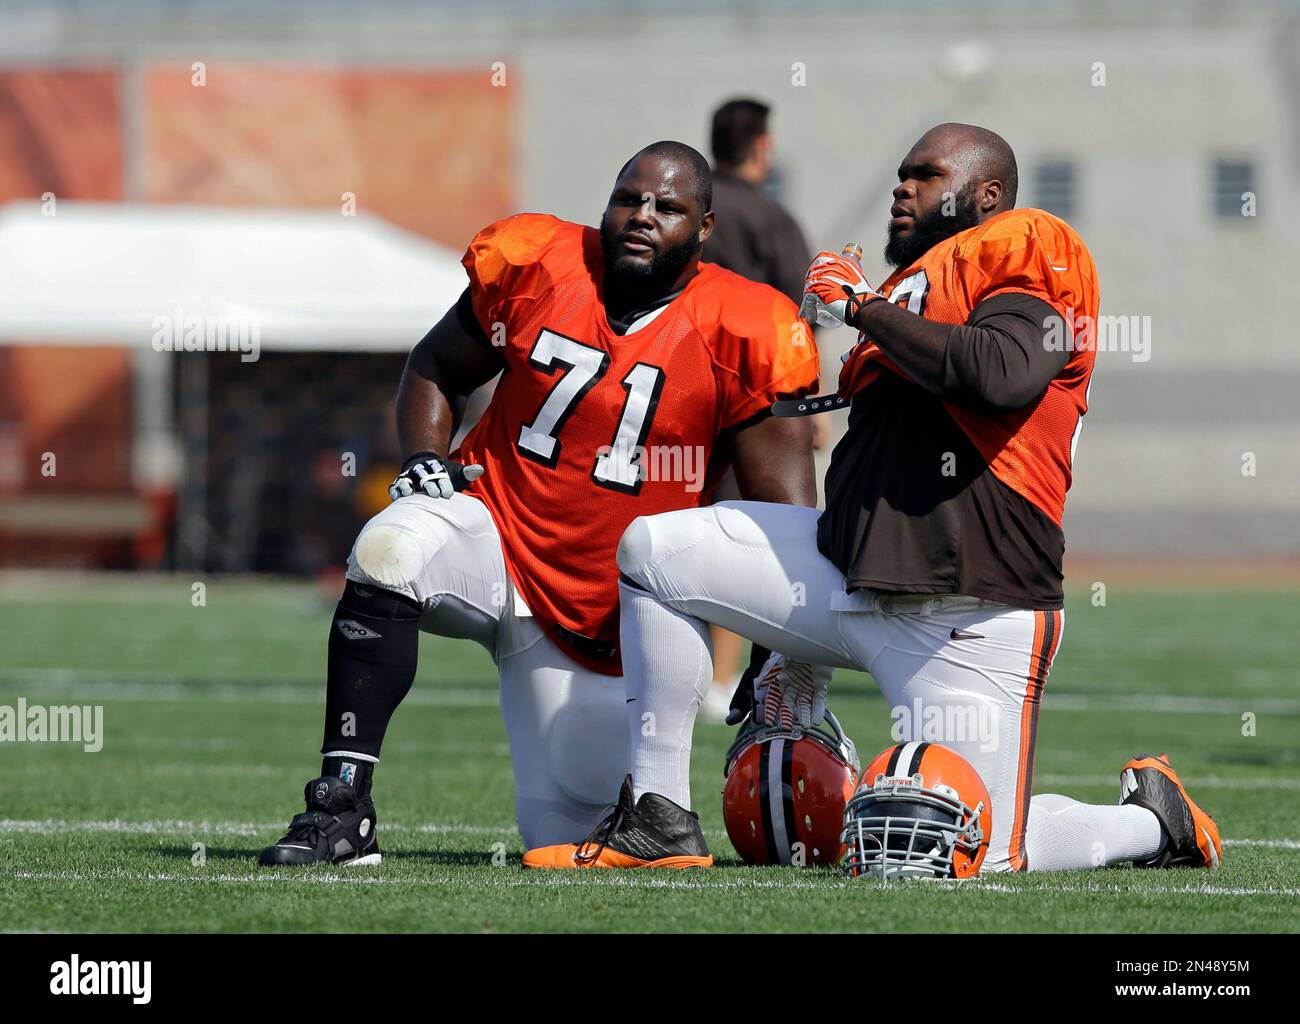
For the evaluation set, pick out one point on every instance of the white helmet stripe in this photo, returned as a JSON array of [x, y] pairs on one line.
[[905, 768], [776, 799]]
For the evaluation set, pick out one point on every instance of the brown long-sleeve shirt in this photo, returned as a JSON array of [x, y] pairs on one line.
[[755, 237], [895, 520], [966, 404]]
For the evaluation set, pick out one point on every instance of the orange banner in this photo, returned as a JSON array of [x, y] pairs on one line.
[[60, 132], [430, 151]]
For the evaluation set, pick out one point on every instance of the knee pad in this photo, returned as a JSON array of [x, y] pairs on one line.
[[636, 550], [735, 524], [390, 555], [657, 553]]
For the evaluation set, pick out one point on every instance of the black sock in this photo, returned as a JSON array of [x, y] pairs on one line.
[[352, 770], [373, 645]]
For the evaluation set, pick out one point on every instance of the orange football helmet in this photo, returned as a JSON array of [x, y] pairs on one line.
[[786, 788], [920, 811]]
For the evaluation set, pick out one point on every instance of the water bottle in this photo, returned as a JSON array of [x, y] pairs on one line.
[[808, 310]]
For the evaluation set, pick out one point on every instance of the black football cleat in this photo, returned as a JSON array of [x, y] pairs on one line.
[[336, 828], [653, 832], [1191, 836]]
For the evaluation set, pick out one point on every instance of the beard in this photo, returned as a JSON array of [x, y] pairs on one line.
[[932, 228], [646, 279]]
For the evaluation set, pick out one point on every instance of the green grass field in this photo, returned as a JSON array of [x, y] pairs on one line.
[[212, 723]]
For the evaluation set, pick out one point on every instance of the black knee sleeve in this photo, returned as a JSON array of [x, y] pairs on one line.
[[373, 646]]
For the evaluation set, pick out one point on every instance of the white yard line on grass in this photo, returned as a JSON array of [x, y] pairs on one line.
[[1099, 889], [700, 882], [1168, 703], [363, 876], [167, 686], [56, 826], [128, 686], [1043, 780]]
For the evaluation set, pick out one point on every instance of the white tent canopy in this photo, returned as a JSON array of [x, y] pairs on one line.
[[103, 273], [119, 273]]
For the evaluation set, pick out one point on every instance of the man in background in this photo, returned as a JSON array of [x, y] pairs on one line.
[[756, 238]]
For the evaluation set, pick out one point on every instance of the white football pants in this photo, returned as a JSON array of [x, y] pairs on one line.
[[565, 723], [955, 670]]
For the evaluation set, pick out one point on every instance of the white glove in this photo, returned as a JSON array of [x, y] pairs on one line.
[[790, 693], [824, 300], [438, 478]]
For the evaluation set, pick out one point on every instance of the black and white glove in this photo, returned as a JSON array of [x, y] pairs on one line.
[[435, 476], [791, 693]]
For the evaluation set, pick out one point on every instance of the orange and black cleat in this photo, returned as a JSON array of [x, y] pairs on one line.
[[652, 832], [1192, 837]]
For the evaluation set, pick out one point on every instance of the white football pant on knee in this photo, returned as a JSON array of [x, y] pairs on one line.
[[966, 673], [565, 723], [434, 549], [667, 653]]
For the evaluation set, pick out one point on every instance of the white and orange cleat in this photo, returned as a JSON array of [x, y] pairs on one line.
[[652, 832], [1192, 837]]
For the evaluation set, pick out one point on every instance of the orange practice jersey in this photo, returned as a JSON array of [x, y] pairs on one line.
[[1027, 251], [588, 429]]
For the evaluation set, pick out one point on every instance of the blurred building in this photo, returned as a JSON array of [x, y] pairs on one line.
[[1168, 133]]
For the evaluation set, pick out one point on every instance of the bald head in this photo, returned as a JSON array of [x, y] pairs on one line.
[[657, 220], [954, 177], [684, 164], [981, 155]]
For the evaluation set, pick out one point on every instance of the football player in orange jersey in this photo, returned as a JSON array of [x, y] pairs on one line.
[[936, 565], [627, 368]]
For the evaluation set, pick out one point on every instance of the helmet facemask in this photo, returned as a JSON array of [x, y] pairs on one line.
[[899, 828]]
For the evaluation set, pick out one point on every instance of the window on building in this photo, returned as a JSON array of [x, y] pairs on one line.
[[1056, 188], [1234, 188]]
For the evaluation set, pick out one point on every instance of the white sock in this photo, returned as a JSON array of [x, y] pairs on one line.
[[1066, 835], [667, 670]]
